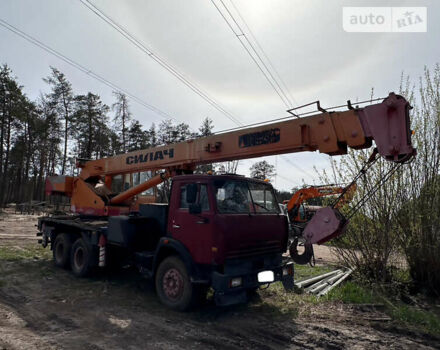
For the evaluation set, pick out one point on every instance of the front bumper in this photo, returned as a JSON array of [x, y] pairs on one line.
[[227, 294]]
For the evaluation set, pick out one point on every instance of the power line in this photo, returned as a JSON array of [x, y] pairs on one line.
[[257, 54], [257, 60], [85, 70], [291, 98], [296, 166], [130, 37], [288, 180]]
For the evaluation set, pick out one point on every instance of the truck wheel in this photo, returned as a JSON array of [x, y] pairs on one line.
[[173, 285], [80, 258], [61, 250]]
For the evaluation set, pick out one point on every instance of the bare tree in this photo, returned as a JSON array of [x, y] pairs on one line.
[[262, 170]]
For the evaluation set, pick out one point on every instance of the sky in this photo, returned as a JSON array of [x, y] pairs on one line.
[[304, 41]]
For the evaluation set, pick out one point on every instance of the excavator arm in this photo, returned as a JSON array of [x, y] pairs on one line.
[[304, 194]]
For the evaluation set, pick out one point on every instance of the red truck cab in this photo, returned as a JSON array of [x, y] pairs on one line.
[[233, 229]]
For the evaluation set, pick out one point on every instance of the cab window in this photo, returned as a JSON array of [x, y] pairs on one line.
[[141, 177], [183, 203], [233, 197], [202, 197], [263, 198]]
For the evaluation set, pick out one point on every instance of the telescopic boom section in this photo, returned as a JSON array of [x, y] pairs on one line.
[[386, 123]]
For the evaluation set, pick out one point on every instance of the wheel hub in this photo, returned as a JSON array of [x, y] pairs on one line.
[[59, 252], [79, 258], [173, 284]]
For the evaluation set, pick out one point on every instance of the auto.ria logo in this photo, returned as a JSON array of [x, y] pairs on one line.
[[384, 19]]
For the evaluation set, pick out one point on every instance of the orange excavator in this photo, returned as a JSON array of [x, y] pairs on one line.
[[293, 205], [219, 231], [299, 215]]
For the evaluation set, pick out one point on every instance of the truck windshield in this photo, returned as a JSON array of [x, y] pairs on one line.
[[241, 197]]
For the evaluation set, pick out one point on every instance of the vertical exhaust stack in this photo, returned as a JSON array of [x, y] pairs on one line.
[[386, 123]]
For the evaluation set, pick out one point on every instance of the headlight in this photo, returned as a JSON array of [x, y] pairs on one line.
[[235, 282], [266, 276]]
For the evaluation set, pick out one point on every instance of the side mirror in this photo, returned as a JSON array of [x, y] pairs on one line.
[[191, 193], [195, 208]]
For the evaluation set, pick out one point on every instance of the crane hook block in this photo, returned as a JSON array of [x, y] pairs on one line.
[[326, 224]]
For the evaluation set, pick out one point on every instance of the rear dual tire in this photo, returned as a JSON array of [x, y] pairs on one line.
[[76, 256], [61, 250], [80, 258]]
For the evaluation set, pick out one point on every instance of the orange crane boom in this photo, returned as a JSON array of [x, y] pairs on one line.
[[386, 123]]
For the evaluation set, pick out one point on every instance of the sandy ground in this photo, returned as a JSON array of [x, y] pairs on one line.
[[42, 307]]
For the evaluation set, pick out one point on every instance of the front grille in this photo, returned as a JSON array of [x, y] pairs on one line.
[[268, 247]]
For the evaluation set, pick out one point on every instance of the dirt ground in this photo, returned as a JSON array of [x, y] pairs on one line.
[[42, 307]]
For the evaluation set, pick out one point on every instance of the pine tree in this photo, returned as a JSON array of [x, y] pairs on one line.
[[170, 133], [47, 127], [122, 118], [62, 100], [137, 138], [12, 102], [206, 127], [90, 116], [205, 130], [152, 135]]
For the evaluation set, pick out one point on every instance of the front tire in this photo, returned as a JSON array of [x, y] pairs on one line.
[[80, 258], [173, 285], [61, 250]]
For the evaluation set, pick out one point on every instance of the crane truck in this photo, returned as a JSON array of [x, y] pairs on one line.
[[219, 231]]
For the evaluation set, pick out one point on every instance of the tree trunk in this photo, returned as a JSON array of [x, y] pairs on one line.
[[65, 148], [6, 162], [89, 141], [66, 132]]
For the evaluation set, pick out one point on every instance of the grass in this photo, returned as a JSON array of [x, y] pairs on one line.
[[20, 257], [352, 293], [276, 302], [24, 253], [279, 303], [409, 315], [420, 319], [306, 271]]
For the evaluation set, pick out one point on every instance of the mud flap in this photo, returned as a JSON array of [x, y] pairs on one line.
[[288, 280], [230, 298]]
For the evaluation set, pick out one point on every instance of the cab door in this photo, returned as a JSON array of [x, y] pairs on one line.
[[194, 231]]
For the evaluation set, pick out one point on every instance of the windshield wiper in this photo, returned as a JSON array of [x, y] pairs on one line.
[[261, 206]]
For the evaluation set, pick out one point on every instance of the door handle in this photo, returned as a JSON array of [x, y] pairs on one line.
[[203, 221], [176, 226]]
